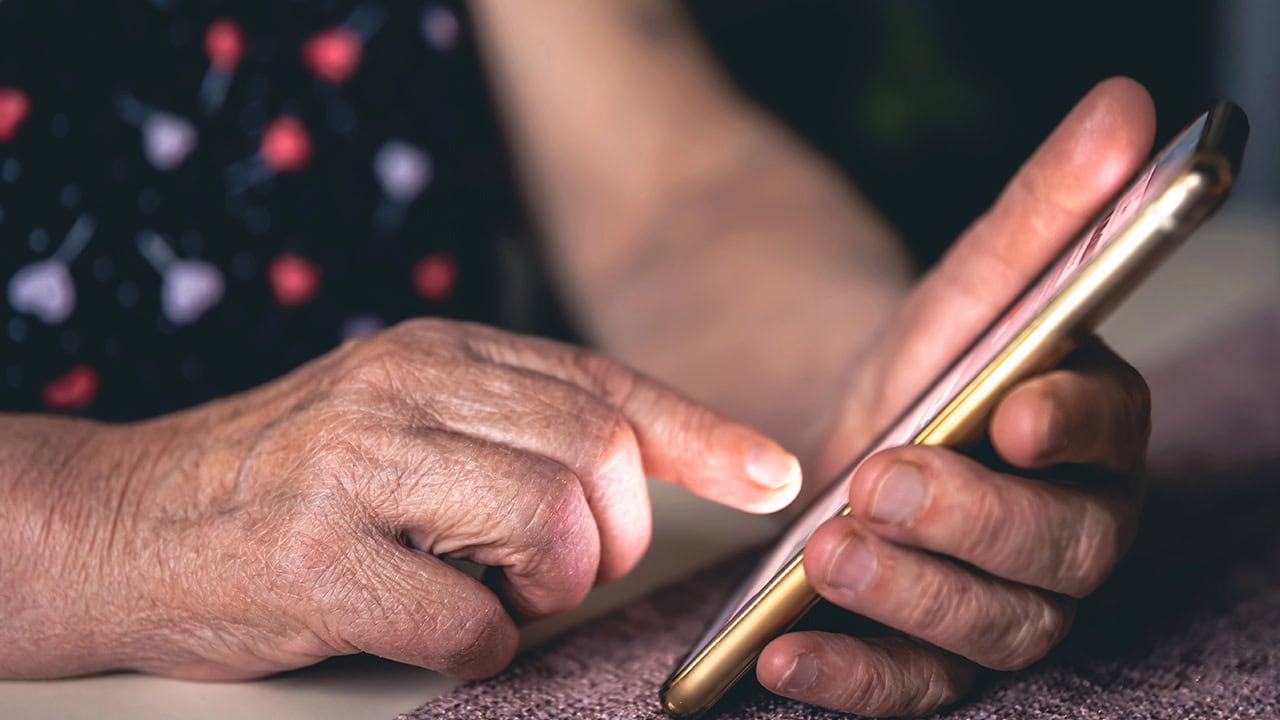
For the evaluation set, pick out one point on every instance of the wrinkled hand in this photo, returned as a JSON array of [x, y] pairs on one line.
[[976, 565], [308, 518]]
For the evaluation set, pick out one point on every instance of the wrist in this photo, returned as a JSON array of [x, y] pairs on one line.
[[70, 607]]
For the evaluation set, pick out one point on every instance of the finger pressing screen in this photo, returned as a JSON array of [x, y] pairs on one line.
[[679, 440]]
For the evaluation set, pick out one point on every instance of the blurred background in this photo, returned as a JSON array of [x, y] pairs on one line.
[[928, 106], [931, 106]]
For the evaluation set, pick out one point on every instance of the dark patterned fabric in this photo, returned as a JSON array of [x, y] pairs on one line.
[[197, 197], [1188, 628]]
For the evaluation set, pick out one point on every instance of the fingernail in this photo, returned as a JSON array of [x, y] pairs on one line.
[[900, 495], [853, 567], [1055, 428], [801, 674], [771, 467]]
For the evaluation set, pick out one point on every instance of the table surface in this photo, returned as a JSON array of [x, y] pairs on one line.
[[1231, 266]]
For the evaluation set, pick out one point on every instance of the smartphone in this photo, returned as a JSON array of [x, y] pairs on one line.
[[1165, 201]]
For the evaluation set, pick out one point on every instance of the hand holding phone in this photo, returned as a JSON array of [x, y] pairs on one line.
[[1109, 255]]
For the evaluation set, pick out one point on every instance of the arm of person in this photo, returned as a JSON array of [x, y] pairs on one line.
[[309, 517], [695, 237], [705, 244]]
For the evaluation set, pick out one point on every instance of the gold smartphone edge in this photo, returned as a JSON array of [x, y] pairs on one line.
[[1078, 307]]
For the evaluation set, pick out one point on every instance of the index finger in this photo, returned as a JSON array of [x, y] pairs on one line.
[[680, 441]]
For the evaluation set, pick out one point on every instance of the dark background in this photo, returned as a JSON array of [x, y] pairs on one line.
[[931, 106], [928, 106]]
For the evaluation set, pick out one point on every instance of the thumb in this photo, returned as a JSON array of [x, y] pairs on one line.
[[1092, 153]]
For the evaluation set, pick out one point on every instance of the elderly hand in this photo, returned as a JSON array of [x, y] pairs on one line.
[[976, 565], [308, 518]]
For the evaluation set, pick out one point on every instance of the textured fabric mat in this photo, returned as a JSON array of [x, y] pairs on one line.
[[1189, 626]]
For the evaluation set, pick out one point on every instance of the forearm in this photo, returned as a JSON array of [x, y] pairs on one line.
[[613, 107], [696, 239], [61, 497]]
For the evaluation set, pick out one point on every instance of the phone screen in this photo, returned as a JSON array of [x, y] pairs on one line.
[[1148, 183]]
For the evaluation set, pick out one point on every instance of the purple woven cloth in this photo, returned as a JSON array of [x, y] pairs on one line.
[[1187, 628]]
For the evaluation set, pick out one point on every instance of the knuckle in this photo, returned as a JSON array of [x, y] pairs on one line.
[[871, 692], [380, 467], [618, 496], [475, 639], [939, 615], [317, 564], [487, 344], [1042, 627], [991, 518], [622, 445], [555, 509], [372, 366], [880, 688], [1096, 546], [609, 439], [416, 327], [343, 456], [699, 429], [610, 381], [940, 689], [562, 540], [396, 356]]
